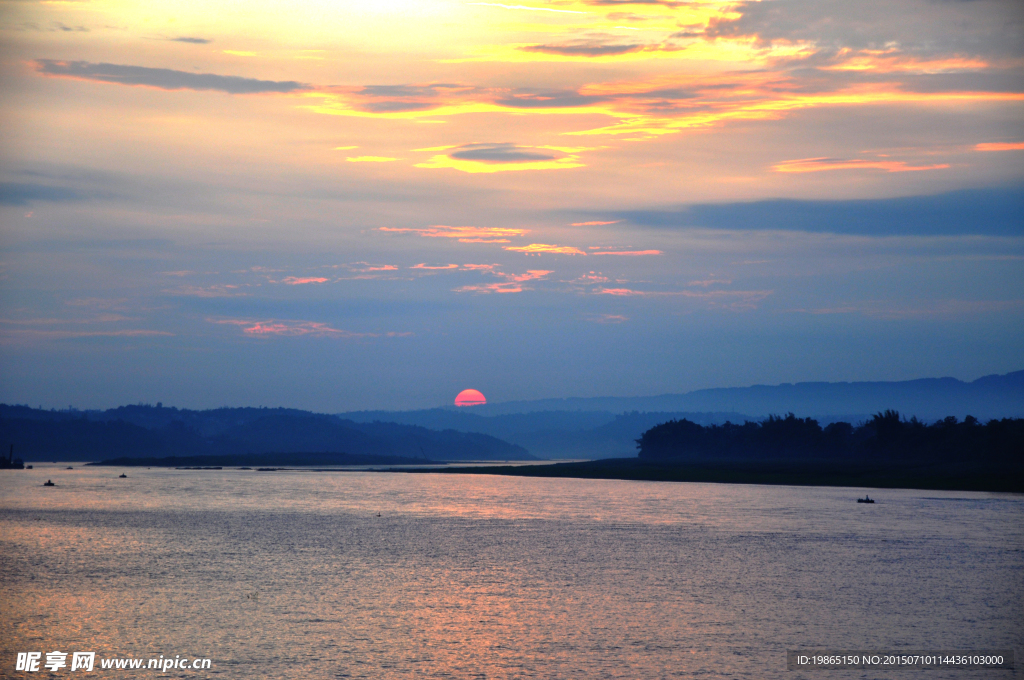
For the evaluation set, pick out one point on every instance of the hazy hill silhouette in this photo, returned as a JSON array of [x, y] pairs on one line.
[[886, 437], [993, 396], [154, 431], [887, 451], [549, 434]]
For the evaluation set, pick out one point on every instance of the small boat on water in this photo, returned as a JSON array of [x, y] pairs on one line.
[[48, 483], [866, 499], [70, 468], [122, 476]]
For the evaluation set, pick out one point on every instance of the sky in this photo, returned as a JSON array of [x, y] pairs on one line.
[[341, 206]]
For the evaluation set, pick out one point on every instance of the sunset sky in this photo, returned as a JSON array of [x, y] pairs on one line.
[[340, 205]]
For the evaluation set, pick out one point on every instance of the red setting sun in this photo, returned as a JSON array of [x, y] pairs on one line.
[[470, 398]]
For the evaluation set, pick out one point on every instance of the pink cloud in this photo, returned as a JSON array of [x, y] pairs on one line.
[[291, 328], [530, 275], [366, 267], [607, 318], [508, 287], [463, 234], [511, 284], [424, 265], [98, 303], [824, 164], [216, 291], [592, 277], [593, 224], [299, 328], [298, 281], [1000, 146]]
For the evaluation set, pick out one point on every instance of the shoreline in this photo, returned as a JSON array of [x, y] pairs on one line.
[[923, 475]]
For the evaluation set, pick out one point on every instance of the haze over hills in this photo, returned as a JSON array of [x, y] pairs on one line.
[[992, 396], [154, 431], [600, 427], [607, 427], [550, 434]]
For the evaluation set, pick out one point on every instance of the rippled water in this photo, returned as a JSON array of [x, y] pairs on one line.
[[293, 574]]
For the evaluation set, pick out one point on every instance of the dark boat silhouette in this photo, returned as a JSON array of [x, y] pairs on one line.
[[70, 468], [48, 483], [865, 499], [122, 476]]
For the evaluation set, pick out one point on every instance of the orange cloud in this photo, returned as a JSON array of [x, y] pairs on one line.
[[537, 248], [298, 281], [646, 108], [999, 146], [824, 164], [424, 265], [890, 61], [370, 159], [511, 284], [463, 234], [274, 327]]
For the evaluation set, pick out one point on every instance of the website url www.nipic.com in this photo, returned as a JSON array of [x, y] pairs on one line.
[[32, 662]]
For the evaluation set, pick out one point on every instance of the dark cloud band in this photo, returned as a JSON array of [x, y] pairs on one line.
[[19, 193], [500, 153], [994, 212], [583, 50], [162, 78]]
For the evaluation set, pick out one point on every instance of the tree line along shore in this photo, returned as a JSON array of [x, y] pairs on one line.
[[887, 451]]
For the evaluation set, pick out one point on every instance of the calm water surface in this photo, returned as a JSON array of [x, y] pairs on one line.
[[293, 575]]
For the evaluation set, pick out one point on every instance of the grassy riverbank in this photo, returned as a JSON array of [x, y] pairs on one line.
[[953, 477]]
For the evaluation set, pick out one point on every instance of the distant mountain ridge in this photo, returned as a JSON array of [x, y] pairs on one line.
[[597, 427], [550, 434], [992, 396], [154, 431], [608, 427]]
